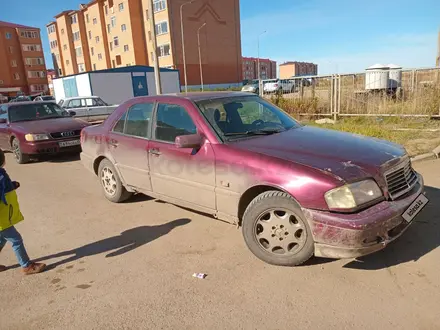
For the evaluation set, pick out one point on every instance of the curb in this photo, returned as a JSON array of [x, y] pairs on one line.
[[434, 154]]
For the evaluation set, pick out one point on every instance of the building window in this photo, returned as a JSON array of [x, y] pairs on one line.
[[53, 44], [149, 35], [116, 41], [121, 6], [76, 36], [87, 18], [78, 51], [161, 28], [67, 62], [38, 88], [90, 34], [147, 15], [62, 31], [36, 74], [111, 45], [113, 21], [118, 60], [108, 28], [34, 61], [29, 34], [126, 48], [74, 19], [100, 57], [51, 29], [31, 48], [106, 10], [123, 28], [95, 21], [113, 63], [65, 47], [1, 82], [163, 50], [97, 39], [16, 76], [81, 67], [159, 5], [94, 66], [8, 35], [152, 56], [14, 63], [92, 51]]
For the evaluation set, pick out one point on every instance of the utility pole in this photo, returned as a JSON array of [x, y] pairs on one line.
[[183, 42], [260, 85], [438, 50], [153, 40], [200, 55]]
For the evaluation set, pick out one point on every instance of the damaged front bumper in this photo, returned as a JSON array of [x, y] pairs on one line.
[[354, 235]]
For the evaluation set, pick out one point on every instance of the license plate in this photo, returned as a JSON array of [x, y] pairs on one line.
[[415, 208], [69, 143]]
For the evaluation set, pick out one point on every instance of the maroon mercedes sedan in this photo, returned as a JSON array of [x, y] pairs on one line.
[[295, 190], [37, 128]]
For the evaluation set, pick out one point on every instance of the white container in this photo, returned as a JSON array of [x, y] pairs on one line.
[[395, 76], [376, 77]]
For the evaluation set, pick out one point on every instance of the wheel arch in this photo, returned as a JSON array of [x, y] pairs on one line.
[[248, 196], [96, 163]]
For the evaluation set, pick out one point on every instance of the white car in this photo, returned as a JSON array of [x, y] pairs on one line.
[[89, 108], [279, 85]]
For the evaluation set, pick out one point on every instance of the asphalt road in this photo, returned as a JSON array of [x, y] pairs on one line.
[[130, 266]]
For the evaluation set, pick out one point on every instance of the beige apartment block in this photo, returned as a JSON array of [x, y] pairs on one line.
[[295, 69], [106, 34], [22, 66]]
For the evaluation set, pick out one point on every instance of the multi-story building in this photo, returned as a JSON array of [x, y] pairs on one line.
[[268, 68], [22, 66], [117, 33], [51, 75], [296, 69]]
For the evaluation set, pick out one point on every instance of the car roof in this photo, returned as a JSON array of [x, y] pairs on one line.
[[79, 97], [200, 96]]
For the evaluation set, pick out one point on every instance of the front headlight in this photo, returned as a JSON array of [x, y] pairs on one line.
[[36, 137], [353, 195]]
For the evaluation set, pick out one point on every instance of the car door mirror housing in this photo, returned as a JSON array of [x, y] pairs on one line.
[[3, 121], [193, 141]]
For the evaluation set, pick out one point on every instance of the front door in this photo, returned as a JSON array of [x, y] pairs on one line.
[[139, 85], [183, 174], [128, 144]]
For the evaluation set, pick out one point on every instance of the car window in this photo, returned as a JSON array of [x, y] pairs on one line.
[[3, 112], [138, 120], [74, 104], [173, 121], [61, 103], [119, 127], [249, 114], [34, 111]]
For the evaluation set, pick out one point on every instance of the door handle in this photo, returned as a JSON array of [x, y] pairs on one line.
[[113, 143], [154, 152]]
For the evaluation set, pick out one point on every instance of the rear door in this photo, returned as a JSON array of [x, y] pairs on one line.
[[96, 110], [128, 144], [76, 105]]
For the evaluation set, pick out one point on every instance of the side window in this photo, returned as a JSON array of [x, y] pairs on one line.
[[61, 103], [172, 121], [3, 112], [74, 104], [138, 120], [119, 127]]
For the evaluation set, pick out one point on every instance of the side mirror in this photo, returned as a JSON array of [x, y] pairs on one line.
[[193, 141], [3, 121], [72, 113]]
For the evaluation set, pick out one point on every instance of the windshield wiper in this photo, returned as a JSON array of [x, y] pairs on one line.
[[263, 131]]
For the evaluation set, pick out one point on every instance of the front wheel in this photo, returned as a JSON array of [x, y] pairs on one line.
[[275, 230], [19, 156], [111, 184]]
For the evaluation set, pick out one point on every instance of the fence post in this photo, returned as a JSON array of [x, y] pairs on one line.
[[331, 95], [339, 97]]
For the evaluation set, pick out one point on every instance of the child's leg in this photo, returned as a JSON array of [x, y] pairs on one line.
[[12, 235]]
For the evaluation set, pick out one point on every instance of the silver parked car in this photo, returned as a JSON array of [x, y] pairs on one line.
[[89, 108]]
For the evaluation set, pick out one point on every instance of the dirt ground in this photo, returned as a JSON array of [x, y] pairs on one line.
[[130, 266]]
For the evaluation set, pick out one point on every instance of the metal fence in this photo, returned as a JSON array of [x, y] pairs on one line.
[[416, 95]]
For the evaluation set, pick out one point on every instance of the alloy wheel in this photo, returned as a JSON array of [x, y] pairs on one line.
[[108, 181]]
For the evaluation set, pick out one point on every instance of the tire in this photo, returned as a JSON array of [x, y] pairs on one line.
[[111, 184], [275, 230], [19, 156]]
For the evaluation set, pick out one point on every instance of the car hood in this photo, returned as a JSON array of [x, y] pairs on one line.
[[348, 156], [49, 125]]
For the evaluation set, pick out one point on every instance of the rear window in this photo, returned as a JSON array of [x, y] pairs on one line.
[[34, 111]]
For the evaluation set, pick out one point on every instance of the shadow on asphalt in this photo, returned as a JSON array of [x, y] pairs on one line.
[[422, 237], [117, 245]]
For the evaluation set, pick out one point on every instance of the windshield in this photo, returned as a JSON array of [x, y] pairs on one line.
[[27, 112], [234, 117]]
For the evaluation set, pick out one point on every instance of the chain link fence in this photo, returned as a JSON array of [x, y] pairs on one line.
[[417, 94]]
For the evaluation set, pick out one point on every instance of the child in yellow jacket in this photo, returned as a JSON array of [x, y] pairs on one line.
[[9, 215]]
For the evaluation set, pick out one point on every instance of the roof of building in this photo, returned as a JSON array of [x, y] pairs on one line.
[[65, 12], [256, 59], [295, 62], [15, 26]]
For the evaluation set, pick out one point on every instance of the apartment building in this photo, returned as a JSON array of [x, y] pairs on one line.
[[22, 66], [268, 68], [117, 33], [296, 69]]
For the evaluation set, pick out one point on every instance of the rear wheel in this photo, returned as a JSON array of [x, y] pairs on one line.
[[275, 230], [19, 156], [111, 184]]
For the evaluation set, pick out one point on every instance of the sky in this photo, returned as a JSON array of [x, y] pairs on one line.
[[341, 36]]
